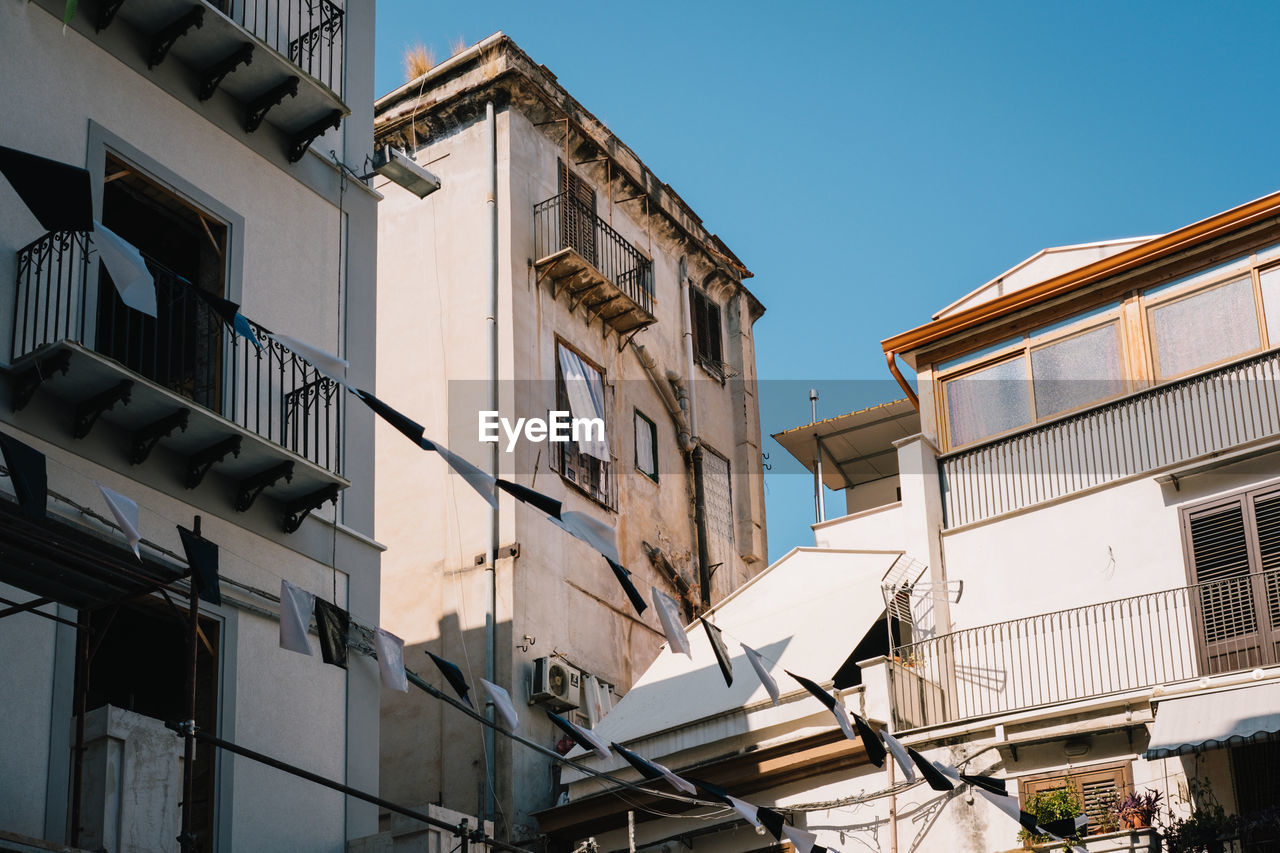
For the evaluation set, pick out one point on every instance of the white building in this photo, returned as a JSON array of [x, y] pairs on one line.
[[609, 284], [1081, 586], [206, 130]]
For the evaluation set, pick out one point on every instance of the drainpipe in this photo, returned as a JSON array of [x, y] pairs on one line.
[[699, 492], [491, 573], [675, 407], [890, 358], [819, 500]]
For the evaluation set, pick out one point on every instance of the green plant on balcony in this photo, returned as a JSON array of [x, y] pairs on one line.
[[1206, 830], [1048, 806], [1133, 811]]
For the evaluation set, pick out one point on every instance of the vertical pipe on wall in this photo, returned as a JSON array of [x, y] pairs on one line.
[[699, 491], [491, 574]]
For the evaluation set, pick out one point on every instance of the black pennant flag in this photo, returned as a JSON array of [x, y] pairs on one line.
[[202, 557], [647, 770], [29, 476], [870, 741], [454, 676], [332, 623], [411, 428], [624, 578], [822, 695], [772, 820], [722, 653], [581, 737], [990, 783], [57, 194], [1066, 826], [931, 774], [715, 792], [550, 506]]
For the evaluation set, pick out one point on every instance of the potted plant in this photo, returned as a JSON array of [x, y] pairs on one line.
[[1048, 806], [1136, 811]]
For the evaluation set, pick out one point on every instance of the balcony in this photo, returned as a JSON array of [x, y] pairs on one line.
[[1088, 652], [278, 58], [1202, 415], [583, 257], [265, 418]]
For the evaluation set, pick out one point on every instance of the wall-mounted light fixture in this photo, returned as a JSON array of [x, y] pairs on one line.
[[399, 168]]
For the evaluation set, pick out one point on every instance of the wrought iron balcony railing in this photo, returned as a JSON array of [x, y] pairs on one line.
[[1162, 426], [187, 348], [566, 222], [308, 32], [1086, 652]]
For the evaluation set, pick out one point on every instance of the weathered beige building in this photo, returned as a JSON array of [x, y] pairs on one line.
[[610, 287]]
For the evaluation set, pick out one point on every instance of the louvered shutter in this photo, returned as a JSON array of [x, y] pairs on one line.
[[1220, 559], [577, 214], [1094, 787], [1266, 515]]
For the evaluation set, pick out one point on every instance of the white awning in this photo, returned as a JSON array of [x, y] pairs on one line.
[[1207, 720]]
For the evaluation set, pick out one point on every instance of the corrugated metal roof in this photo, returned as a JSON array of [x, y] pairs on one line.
[[858, 446]]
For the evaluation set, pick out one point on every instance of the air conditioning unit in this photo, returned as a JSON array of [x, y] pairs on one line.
[[556, 684]]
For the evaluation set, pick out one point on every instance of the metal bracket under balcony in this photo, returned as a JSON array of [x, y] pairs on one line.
[[195, 438], [586, 287]]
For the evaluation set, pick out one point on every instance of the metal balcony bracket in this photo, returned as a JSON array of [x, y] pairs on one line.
[[623, 341], [261, 105], [26, 382], [199, 463], [296, 512], [211, 78], [88, 412], [251, 487], [302, 139], [162, 41], [146, 438], [107, 13]]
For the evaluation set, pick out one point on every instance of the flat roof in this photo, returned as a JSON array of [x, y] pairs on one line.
[[857, 446]]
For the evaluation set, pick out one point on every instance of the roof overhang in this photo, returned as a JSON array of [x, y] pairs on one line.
[[857, 447]]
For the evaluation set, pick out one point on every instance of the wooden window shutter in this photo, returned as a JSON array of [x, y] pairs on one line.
[[1220, 552], [1095, 788]]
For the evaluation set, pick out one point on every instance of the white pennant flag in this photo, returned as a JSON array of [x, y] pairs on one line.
[[296, 607], [757, 663], [748, 811], [591, 691], [327, 364], [502, 704], [801, 839], [1006, 804], [595, 533], [484, 484], [674, 780], [670, 618], [842, 717], [391, 660], [128, 270], [125, 511], [598, 744], [899, 755]]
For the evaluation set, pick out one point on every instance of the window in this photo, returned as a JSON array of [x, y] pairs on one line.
[[705, 316], [1233, 557], [1207, 327], [717, 489], [646, 447], [1253, 772], [577, 214], [586, 461], [1095, 788]]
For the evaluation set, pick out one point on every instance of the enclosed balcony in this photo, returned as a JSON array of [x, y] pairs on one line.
[[259, 415], [592, 265]]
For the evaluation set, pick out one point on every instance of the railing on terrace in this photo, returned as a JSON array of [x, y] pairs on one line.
[[186, 348], [307, 32], [566, 222], [1086, 652], [1166, 425]]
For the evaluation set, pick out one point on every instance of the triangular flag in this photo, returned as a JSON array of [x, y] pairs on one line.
[[584, 738], [772, 821], [677, 639], [484, 484], [454, 676], [549, 505], [501, 700], [128, 270], [391, 660], [594, 705], [325, 363], [624, 578], [1066, 826], [801, 839], [230, 313], [125, 511], [296, 606], [409, 427], [837, 710], [595, 533], [29, 474], [722, 653], [936, 780], [332, 623], [990, 783], [1009, 806], [654, 770], [870, 741], [59, 195], [202, 557], [748, 811], [757, 663], [900, 756]]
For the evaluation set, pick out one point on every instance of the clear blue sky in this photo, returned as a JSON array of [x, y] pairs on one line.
[[871, 162]]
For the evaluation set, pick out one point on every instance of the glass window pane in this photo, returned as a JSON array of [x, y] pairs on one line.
[[1207, 328], [645, 444], [1271, 303], [988, 401], [1077, 371]]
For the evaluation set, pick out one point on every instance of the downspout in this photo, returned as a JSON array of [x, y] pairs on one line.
[[491, 573], [889, 357], [699, 493], [675, 407]]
